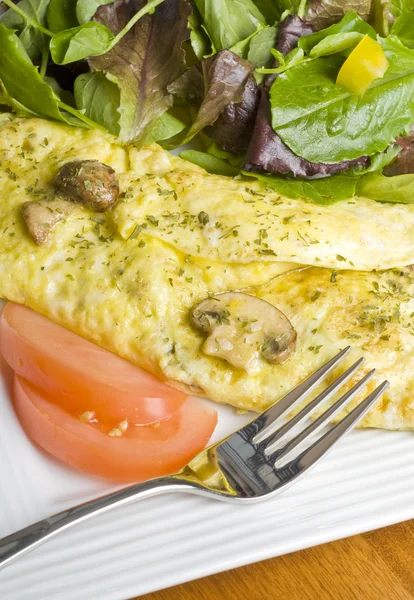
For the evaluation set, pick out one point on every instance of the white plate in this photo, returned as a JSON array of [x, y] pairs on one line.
[[363, 484]]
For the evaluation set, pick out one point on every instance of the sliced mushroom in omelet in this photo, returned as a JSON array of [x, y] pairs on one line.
[[129, 280]]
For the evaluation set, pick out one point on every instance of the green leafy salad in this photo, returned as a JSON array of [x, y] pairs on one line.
[[315, 98]]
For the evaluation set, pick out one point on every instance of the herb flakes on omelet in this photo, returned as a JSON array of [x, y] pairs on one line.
[[131, 288]]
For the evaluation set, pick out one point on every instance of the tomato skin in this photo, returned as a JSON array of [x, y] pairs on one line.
[[144, 452], [84, 376]]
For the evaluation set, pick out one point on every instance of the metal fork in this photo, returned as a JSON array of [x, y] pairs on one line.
[[242, 468]]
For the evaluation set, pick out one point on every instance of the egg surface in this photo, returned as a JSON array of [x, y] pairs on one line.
[[123, 281], [240, 220]]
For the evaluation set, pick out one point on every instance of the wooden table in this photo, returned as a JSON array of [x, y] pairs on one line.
[[373, 566]]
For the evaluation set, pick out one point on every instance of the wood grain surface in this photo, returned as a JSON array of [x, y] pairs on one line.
[[378, 565]]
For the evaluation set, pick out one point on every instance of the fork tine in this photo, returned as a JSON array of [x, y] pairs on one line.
[[309, 408], [312, 454], [325, 417], [267, 419]]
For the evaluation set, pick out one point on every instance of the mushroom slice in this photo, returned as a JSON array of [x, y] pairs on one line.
[[41, 216], [90, 182], [244, 330]]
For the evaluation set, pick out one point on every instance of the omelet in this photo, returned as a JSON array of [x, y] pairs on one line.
[[240, 220], [129, 278]]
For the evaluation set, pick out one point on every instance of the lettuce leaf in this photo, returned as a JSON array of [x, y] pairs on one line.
[[227, 95], [92, 38], [398, 189], [210, 163], [351, 23], [400, 7], [404, 162], [404, 29], [323, 13], [267, 153], [321, 122], [321, 191], [140, 65], [233, 128], [290, 31]]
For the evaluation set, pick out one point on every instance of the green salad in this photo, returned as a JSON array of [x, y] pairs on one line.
[[315, 98]]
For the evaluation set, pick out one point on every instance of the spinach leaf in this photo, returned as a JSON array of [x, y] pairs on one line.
[[398, 189], [140, 65], [333, 44], [321, 122], [71, 45], [29, 30], [61, 14], [167, 127], [404, 29], [86, 9], [99, 98], [235, 159], [350, 23], [64, 95], [26, 91], [270, 9], [210, 163], [27, 12], [294, 58], [321, 191], [242, 48], [260, 46], [267, 152], [399, 7], [201, 42], [229, 21], [21, 79], [8, 101], [274, 9], [93, 38]]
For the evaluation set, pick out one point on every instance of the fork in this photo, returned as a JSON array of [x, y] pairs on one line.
[[243, 467]]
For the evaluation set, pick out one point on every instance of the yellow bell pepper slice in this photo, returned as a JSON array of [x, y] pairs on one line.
[[366, 63]]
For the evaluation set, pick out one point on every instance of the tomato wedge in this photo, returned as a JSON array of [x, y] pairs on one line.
[[143, 452], [85, 377]]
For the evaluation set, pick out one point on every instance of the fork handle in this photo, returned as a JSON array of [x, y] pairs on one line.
[[20, 542]]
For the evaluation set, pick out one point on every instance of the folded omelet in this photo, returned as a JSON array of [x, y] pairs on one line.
[[128, 279]]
